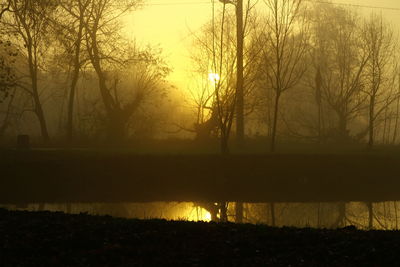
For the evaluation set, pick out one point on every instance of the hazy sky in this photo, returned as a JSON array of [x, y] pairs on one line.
[[169, 23]]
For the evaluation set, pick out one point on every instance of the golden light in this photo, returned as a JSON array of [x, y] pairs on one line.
[[207, 216], [198, 214], [213, 77]]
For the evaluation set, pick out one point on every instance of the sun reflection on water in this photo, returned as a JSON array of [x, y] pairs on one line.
[[198, 214]]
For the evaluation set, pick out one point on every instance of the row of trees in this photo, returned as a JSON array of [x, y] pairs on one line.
[[312, 71], [48, 44]]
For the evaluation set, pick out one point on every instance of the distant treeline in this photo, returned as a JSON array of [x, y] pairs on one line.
[[312, 72]]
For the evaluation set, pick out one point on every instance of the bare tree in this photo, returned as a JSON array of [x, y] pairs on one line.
[[380, 45], [103, 43], [342, 60], [215, 60], [286, 45], [225, 93], [29, 23], [70, 31], [10, 83]]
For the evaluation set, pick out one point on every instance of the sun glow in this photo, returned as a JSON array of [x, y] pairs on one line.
[[213, 77], [207, 216], [198, 214]]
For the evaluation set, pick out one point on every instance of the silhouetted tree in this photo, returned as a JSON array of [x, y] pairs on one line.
[[70, 31], [10, 83], [215, 59], [343, 60], [380, 45], [224, 89], [285, 42], [29, 24], [103, 43]]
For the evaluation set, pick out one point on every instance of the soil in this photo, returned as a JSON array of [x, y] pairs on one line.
[[58, 239]]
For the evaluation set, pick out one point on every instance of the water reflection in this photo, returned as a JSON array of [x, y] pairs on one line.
[[363, 215]]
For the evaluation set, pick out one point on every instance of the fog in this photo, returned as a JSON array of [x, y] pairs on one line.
[[284, 112]]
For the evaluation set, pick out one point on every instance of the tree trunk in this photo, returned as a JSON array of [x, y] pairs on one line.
[[343, 126], [395, 214], [33, 71], [320, 124], [6, 120], [42, 120], [214, 216], [318, 99], [341, 219], [224, 145], [275, 122], [370, 215], [342, 214], [75, 77], [239, 212], [116, 127], [371, 122], [319, 215], [343, 135], [272, 210], [223, 212], [70, 115], [396, 124], [385, 125], [239, 73]]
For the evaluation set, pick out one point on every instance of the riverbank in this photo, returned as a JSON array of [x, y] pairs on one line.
[[58, 239]]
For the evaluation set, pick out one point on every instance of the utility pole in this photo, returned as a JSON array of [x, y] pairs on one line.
[[239, 93], [239, 75], [239, 71], [239, 88], [396, 124]]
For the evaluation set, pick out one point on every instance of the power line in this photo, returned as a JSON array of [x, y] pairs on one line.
[[177, 3], [316, 1], [356, 5]]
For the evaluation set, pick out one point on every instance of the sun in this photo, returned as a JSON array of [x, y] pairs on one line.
[[198, 214], [207, 216], [213, 77]]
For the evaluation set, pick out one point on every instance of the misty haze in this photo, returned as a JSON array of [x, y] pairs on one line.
[[276, 113]]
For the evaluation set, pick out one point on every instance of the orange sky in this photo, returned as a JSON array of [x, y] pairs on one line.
[[170, 27], [169, 23]]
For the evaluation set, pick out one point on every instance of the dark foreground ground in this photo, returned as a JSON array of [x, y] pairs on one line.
[[57, 239]]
